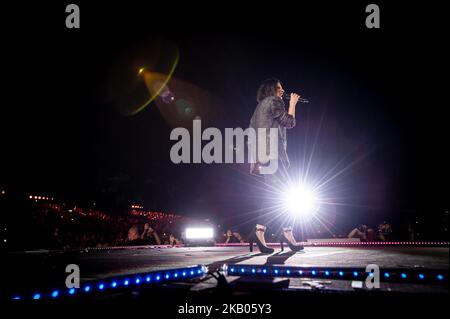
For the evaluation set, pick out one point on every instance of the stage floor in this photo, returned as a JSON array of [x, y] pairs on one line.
[[29, 272], [44, 267]]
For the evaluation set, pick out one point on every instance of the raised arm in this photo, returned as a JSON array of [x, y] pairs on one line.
[[286, 119], [157, 239]]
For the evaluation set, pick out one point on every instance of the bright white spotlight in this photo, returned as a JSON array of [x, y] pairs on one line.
[[200, 233], [301, 201]]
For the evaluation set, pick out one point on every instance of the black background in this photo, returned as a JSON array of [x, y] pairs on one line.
[[376, 91]]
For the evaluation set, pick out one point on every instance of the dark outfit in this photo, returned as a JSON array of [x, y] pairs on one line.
[[271, 113], [137, 242], [150, 239], [233, 240]]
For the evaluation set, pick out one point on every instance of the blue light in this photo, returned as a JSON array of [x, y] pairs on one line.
[[276, 271], [158, 277], [71, 291], [114, 284], [192, 272], [184, 274], [148, 279], [167, 276], [16, 298], [37, 296], [55, 293], [101, 286], [387, 275], [313, 272], [421, 276], [403, 275], [440, 277], [288, 272], [264, 271], [300, 272], [126, 282], [232, 269], [199, 271], [327, 273], [242, 270], [253, 270], [175, 275], [137, 281], [355, 273], [341, 273], [87, 288]]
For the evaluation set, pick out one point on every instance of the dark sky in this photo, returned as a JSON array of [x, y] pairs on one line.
[[374, 93]]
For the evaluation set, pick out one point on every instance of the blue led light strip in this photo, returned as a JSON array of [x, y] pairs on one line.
[[116, 283], [425, 276]]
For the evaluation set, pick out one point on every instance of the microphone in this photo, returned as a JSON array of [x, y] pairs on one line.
[[288, 97]]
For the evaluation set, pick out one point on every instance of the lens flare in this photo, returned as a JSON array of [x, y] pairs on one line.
[[130, 75], [162, 80], [301, 201]]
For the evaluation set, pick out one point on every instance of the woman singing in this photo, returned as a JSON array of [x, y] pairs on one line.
[[271, 113]]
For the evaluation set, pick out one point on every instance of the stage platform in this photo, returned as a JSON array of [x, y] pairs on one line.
[[40, 269]]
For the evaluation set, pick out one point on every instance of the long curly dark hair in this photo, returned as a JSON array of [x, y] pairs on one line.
[[267, 88]]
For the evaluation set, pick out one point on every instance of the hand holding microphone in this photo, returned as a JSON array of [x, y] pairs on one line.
[[294, 97]]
